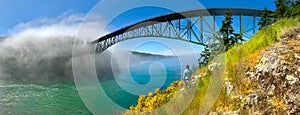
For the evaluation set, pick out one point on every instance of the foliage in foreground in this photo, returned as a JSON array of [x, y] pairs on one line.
[[242, 57], [194, 106], [147, 103], [156, 99], [238, 59]]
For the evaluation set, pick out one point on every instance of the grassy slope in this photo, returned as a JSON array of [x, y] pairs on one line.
[[193, 108], [238, 59]]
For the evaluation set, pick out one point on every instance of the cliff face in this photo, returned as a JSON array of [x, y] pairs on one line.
[[277, 75], [268, 79]]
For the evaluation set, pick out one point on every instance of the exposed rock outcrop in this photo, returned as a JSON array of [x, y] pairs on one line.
[[278, 76]]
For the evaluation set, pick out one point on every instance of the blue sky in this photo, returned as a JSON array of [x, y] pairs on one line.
[[13, 12], [62, 17]]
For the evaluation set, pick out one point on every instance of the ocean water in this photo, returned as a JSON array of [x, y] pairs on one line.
[[25, 89], [25, 98], [143, 74], [62, 98], [124, 98]]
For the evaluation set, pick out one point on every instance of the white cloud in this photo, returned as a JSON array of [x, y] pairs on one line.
[[41, 50], [63, 25]]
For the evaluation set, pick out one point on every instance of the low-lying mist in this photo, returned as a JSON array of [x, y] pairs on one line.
[[35, 59], [41, 59]]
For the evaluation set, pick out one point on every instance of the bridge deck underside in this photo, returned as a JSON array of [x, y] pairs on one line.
[[195, 26]]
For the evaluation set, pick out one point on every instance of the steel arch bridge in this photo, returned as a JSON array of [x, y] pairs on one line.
[[192, 26]]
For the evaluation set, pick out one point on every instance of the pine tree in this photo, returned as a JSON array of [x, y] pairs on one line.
[[282, 9], [225, 40], [204, 56], [226, 29], [210, 51], [296, 8], [265, 19], [227, 34], [237, 38]]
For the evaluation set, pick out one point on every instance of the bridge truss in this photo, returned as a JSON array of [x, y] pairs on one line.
[[195, 26]]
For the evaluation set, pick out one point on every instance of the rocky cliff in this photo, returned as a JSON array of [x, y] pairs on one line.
[[277, 75]]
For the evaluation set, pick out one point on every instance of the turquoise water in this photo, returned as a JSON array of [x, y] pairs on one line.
[[59, 98], [165, 69], [126, 99], [62, 97], [26, 98]]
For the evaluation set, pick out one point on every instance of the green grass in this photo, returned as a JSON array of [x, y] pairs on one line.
[[265, 37], [237, 59], [193, 108], [236, 55]]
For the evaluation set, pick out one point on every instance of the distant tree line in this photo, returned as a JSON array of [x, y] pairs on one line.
[[228, 38]]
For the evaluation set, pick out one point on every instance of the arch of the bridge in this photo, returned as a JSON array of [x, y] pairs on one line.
[[187, 25]]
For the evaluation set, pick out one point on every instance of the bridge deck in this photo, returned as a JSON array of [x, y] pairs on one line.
[[183, 15]]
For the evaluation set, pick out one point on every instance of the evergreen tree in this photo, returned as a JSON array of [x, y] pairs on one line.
[[204, 56], [237, 38], [265, 19], [296, 8], [210, 51], [226, 29], [282, 9], [226, 39], [226, 32]]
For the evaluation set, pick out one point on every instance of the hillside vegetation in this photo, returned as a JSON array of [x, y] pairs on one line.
[[260, 76], [250, 72], [240, 93]]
